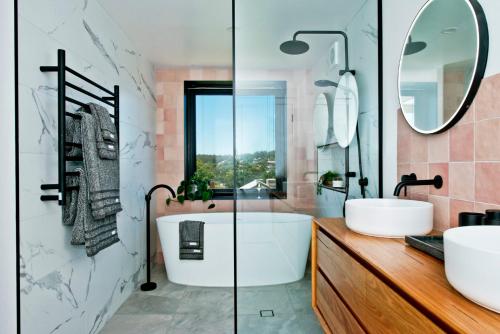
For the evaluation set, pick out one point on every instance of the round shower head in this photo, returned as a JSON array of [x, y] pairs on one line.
[[294, 47], [325, 83], [414, 47]]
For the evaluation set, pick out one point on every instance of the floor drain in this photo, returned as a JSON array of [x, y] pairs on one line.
[[266, 313]]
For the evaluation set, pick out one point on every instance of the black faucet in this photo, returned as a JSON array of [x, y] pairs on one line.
[[411, 180]]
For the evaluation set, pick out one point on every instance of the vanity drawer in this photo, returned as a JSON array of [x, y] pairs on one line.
[[379, 308], [337, 316]]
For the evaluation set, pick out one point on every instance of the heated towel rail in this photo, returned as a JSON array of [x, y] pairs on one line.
[[112, 98]]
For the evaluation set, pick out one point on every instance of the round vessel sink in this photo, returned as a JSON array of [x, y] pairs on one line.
[[389, 218], [472, 263]]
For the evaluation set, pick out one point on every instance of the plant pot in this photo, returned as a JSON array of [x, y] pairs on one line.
[[328, 183], [338, 183]]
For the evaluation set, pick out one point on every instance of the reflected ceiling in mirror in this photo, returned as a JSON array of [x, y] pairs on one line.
[[442, 63]]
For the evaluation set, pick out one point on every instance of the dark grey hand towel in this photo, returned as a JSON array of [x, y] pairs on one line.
[[191, 235], [105, 207], [107, 150], [96, 234], [71, 208], [103, 175], [105, 126], [73, 135]]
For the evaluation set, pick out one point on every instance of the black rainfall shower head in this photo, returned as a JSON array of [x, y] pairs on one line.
[[294, 47], [325, 83], [414, 47]]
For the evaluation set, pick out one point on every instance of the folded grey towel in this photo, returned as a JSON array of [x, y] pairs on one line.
[[106, 211], [107, 150], [105, 126], [90, 231], [191, 240], [103, 175], [94, 249], [71, 207], [73, 135]]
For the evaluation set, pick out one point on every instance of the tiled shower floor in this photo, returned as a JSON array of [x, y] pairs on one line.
[[179, 309]]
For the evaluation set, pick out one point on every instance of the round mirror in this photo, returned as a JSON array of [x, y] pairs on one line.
[[442, 63], [345, 109], [323, 132]]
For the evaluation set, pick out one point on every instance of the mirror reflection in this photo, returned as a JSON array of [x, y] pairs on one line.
[[438, 64]]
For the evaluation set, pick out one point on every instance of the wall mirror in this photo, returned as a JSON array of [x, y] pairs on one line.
[[323, 131], [345, 109], [442, 64]]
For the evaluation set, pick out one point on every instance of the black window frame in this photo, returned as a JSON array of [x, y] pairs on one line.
[[274, 88]]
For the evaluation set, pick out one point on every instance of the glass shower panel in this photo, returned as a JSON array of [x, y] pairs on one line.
[[278, 164]]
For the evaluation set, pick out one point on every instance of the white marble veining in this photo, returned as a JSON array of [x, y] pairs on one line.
[[62, 290], [363, 45]]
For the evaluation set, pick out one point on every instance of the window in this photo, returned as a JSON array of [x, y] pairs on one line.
[[260, 143]]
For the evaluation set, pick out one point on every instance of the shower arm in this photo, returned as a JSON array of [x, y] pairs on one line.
[[330, 32]]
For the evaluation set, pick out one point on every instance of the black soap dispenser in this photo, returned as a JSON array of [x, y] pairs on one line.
[[492, 217]]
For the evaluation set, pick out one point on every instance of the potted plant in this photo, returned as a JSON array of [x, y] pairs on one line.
[[196, 188], [337, 182]]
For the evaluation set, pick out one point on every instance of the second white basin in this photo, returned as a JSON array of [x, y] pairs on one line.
[[472, 263], [389, 218]]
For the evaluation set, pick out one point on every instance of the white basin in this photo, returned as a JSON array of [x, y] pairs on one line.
[[472, 263], [389, 218]]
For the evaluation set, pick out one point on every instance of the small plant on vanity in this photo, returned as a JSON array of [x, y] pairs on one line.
[[196, 188], [330, 179]]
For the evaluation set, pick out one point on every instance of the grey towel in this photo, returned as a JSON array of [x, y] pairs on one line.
[[96, 234], [94, 249], [102, 175], [191, 240], [73, 135], [71, 208], [107, 150], [105, 207], [105, 126]]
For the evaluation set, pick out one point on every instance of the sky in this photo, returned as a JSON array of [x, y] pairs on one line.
[[255, 124]]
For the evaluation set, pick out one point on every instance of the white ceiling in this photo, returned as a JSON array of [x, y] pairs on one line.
[[173, 33]]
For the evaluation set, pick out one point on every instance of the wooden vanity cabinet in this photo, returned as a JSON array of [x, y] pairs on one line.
[[362, 284]]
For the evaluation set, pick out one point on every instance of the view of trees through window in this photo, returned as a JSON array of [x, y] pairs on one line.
[[255, 126]]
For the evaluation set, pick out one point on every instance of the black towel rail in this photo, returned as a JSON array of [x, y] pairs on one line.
[[112, 98]]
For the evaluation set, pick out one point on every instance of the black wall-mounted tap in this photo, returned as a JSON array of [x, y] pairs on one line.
[[411, 180]]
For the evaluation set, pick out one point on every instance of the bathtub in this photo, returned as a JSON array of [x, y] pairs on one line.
[[272, 248]]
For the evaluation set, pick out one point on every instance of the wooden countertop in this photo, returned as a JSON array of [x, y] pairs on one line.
[[416, 276]]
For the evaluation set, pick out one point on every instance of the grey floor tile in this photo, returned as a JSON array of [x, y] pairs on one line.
[[207, 302], [300, 300], [135, 324], [140, 303], [284, 324], [196, 323], [251, 301]]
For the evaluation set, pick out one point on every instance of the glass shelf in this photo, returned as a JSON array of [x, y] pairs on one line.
[[340, 190]]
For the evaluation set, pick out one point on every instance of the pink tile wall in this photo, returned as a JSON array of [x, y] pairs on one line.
[[467, 157], [170, 139]]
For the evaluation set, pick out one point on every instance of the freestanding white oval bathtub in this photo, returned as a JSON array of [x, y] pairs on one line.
[[272, 248]]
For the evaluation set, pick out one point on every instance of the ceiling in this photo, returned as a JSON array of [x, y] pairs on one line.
[[175, 33]]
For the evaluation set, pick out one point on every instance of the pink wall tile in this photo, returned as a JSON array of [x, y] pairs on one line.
[[470, 115], [462, 142], [482, 207], [441, 212], [472, 178], [439, 169], [487, 101], [422, 172], [488, 182], [461, 180], [418, 148], [404, 149], [488, 140], [439, 147], [457, 206]]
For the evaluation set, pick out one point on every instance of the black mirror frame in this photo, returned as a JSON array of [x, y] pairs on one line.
[[480, 68]]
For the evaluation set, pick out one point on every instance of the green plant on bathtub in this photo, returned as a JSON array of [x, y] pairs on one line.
[[195, 189]]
